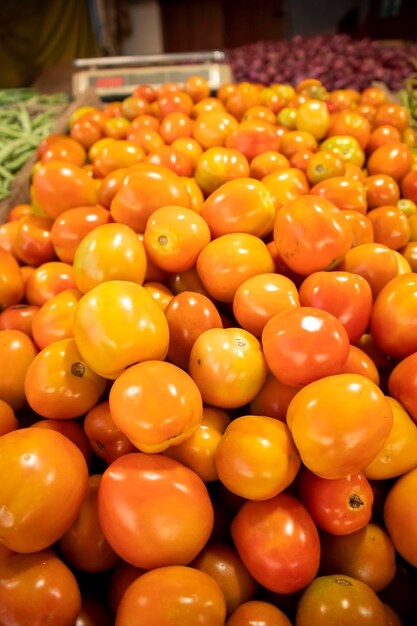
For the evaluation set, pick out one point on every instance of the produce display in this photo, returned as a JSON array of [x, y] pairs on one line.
[[338, 61], [26, 117], [208, 357]]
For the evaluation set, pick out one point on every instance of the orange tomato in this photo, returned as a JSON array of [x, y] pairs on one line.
[[190, 147], [256, 457], [252, 137], [313, 117], [53, 320], [364, 414], [211, 129], [273, 399], [391, 226], [249, 612], [361, 226], [173, 159], [345, 193], [373, 261], [393, 114], [380, 190], [393, 159], [311, 234], [17, 352], [115, 154], [147, 188], [296, 140], [351, 123], [217, 166], [381, 135], [174, 126], [228, 367], [11, 282], [286, 184], [197, 88], [266, 163], [33, 243], [106, 440], [8, 420], [47, 280], [227, 261], [324, 164]]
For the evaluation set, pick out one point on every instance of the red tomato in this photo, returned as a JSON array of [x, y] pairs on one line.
[[345, 295], [304, 344], [106, 440], [46, 485], [278, 542], [258, 612], [143, 495], [402, 384], [337, 506], [19, 317], [364, 416]]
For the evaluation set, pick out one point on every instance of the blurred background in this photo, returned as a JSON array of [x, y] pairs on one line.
[[40, 38]]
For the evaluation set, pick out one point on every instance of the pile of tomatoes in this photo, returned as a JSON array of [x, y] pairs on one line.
[[208, 364]]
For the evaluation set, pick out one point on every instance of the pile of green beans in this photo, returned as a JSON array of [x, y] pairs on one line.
[[26, 117]]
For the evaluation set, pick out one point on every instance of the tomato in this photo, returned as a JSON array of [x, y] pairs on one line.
[[373, 95], [85, 132], [266, 163], [106, 440], [147, 188], [364, 416], [167, 419], [409, 186], [224, 565], [287, 117], [17, 352], [243, 98], [392, 113], [8, 420], [273, 399], [19, 317], [253, 137], [167, 103], [278, 543], [227, 261], [381, 190], [359, 362], [260, 112], [65, 149], [72, 226], [347, 147], [286, 184], [47, 482], [117, 153], [58, 186], [394, 309], [256, 612], [211, 128], [310, 234], [122, 576], [374, 262], [134, 105], [198, 451], [228, 366], [391, 226], [400, 515], [83, 545], [133, 329], [8, 232], [197, 88], [174, 237], [345, 295], [174, 595], [71, 429], [345, 193], [171, 158], [261, 297], [340, 506], [296, 140], [59, 384], [339, 600], [313, 117], [256, 457], [393, 159], [11, 282], [188, 315], [382, 135], [140, 496], [323, 165], [304, 344], [38, 588], [402, 384], [146, 139], [53, 320], [48, 280], [33, 242], [239, 206], [191, 148], [109, 252], [219, 165], [116, 128], [362, 229]]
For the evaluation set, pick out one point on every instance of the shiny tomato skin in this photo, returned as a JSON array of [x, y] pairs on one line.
[[19, 317], [345, 295], [400, 511], [59, 384], [339, 600], [336, 506], [17, 352], [402, 384], [38, 589], [140, 496], [47, 482], [54, 318], [256, 612], [304, 344], [168, 596], [167, 418], [11, 282], [364, 416], [73, 430], [135, 322], [278, 542], [33, 243], [396, 309], [83, 545], [311, 233], [106, 440]]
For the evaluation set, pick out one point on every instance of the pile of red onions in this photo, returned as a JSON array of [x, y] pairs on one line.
[[338, 61]]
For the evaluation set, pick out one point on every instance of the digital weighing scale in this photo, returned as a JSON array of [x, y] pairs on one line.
[[118, 76]]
